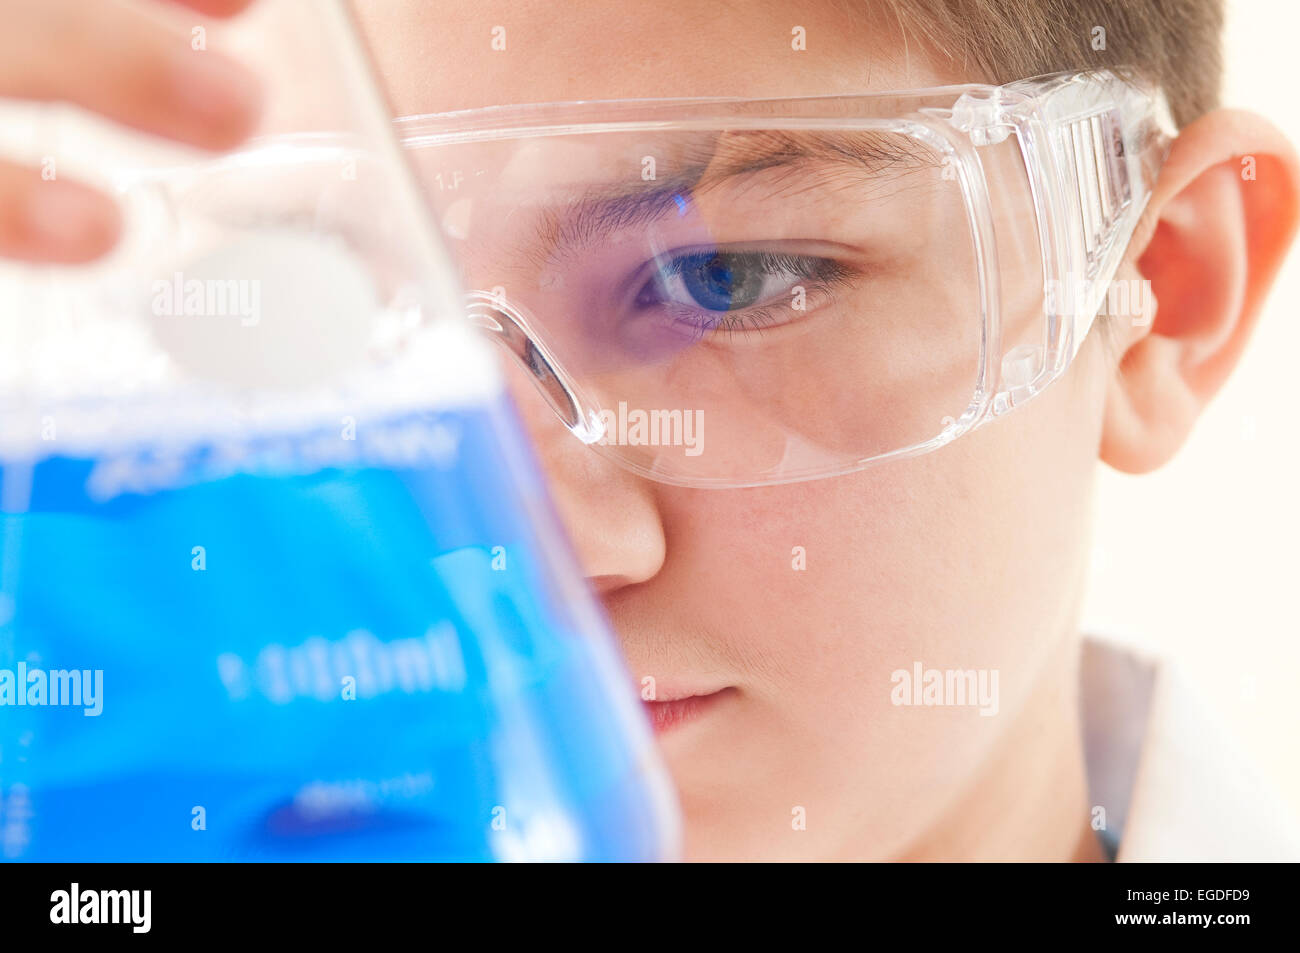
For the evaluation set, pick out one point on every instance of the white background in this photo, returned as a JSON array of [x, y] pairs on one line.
[[1201, 560]]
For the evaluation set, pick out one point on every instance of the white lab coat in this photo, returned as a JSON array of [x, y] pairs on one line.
[[1173, 784]]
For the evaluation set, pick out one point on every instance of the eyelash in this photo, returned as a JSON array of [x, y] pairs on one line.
[[819, 275]]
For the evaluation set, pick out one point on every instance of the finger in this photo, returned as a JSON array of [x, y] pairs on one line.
[[54, 221], [114, 59]]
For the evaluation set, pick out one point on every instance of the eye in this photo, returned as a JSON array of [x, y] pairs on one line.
[[723, 282], [706, 288]]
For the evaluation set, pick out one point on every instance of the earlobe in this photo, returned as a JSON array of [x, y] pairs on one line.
[[1222, 216]]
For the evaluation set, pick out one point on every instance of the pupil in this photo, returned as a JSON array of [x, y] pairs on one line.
[[720, 276]]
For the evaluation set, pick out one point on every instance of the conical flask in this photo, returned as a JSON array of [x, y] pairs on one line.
[[279, 579]]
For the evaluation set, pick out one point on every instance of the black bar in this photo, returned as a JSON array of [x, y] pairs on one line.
[[331, 902]]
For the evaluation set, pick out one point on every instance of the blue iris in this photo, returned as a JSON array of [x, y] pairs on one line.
[[722, 282]]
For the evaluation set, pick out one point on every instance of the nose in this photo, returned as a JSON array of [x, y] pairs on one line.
[[610, 514]]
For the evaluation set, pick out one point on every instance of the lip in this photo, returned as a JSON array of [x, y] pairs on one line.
[[669, 714]]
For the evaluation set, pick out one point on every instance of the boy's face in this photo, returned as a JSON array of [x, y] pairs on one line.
[[967, 558]]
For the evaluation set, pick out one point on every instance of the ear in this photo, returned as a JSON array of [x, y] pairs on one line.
[[1222, 215]]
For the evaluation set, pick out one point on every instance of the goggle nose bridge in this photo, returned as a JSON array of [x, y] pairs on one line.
[[508, 326]]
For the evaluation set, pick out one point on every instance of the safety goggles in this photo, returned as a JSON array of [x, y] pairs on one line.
[[732, 293], [728, 293]]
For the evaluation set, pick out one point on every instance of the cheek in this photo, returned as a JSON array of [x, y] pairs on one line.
[[912, 553], [967, 558]]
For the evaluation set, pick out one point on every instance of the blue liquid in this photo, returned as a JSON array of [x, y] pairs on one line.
[[361, 663]]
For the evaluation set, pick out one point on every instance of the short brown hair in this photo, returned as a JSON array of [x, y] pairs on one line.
[[1173, 43]]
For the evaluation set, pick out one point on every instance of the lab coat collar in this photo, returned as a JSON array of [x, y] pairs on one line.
[[1171, 782]]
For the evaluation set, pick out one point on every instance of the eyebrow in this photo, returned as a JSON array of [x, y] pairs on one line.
[[604, 210]]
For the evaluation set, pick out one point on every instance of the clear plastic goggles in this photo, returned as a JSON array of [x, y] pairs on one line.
[[728, 293], [738, 293]]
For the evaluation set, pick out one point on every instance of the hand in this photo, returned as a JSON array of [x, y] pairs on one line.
[[111, 57]]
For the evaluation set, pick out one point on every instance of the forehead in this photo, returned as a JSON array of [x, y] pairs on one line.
[[439, 55]]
